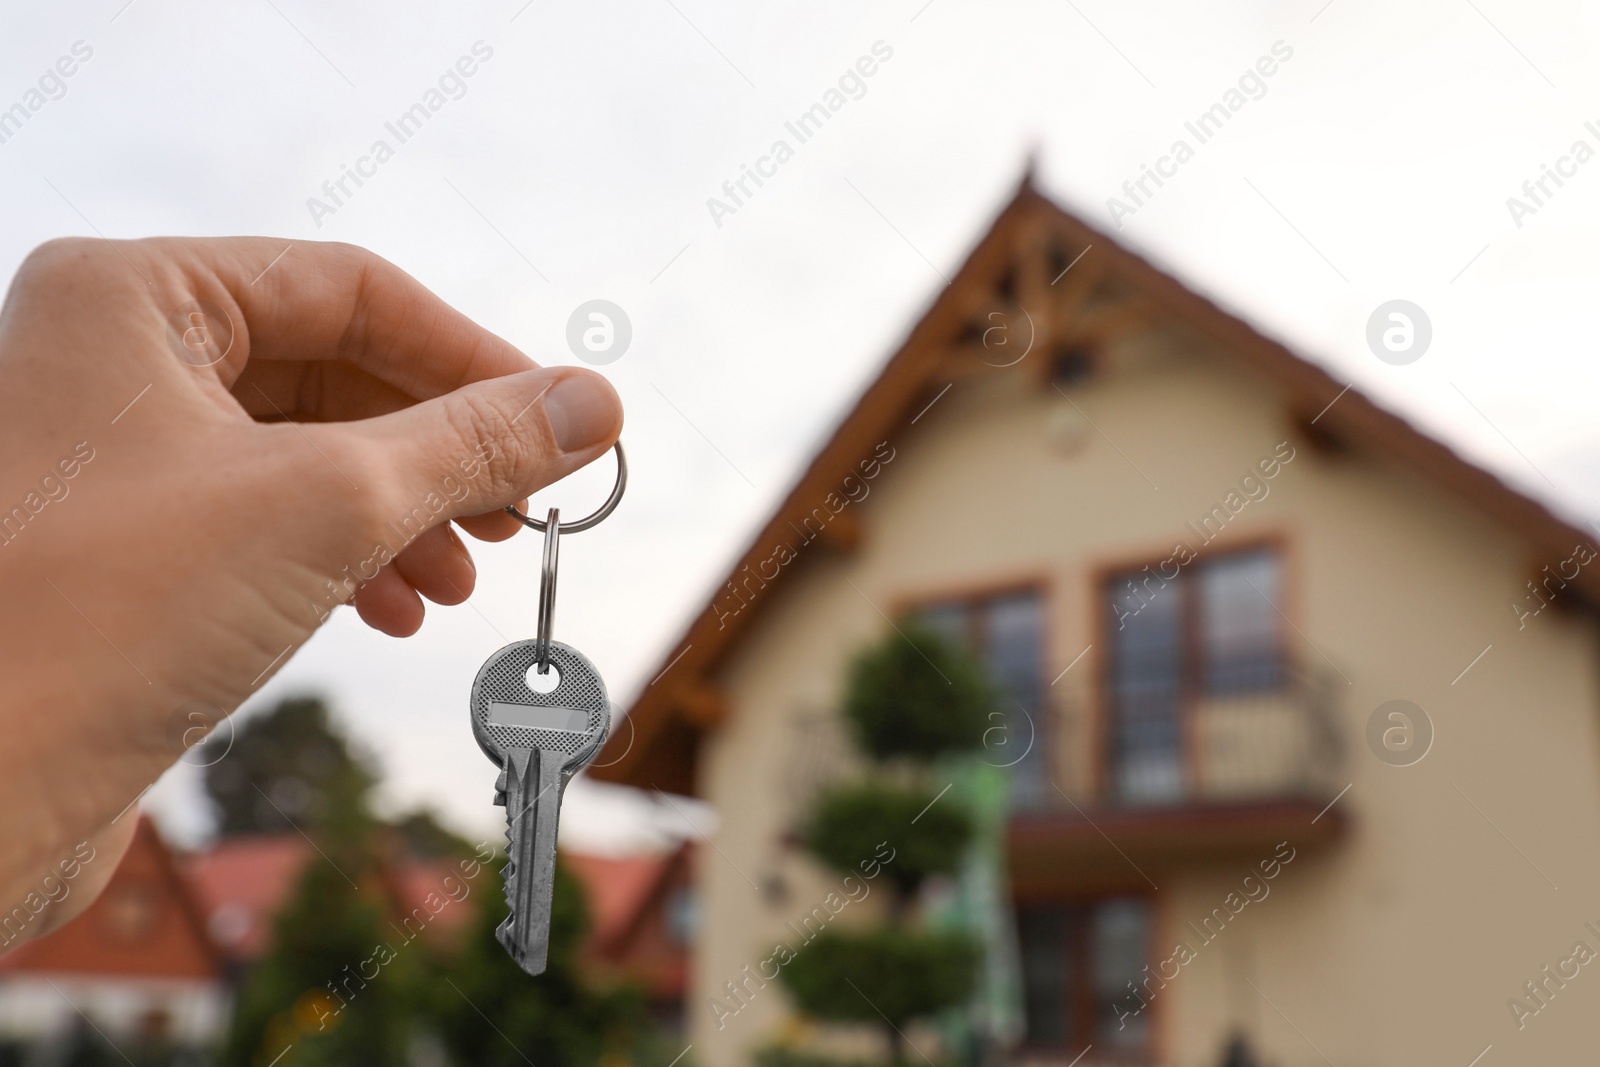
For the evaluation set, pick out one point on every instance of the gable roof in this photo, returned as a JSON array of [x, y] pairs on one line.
[[146, 924], [1030, 242], [621, 888], [242, 883]]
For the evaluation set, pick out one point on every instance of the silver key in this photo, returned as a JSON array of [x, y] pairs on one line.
[[539, 741]]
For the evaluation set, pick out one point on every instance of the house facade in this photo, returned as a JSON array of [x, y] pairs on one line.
[[1301, 716], [135, 972]]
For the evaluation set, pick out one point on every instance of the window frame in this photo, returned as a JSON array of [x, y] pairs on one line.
[[1192, 690], [972, 594], [1080, 1007]]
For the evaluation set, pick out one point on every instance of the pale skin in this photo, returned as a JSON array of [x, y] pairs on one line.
[[193, 553]]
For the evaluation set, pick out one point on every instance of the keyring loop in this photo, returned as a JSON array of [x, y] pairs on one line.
[[547, 588], [593, 520]]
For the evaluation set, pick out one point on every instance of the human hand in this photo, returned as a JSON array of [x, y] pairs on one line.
[[179, 510]]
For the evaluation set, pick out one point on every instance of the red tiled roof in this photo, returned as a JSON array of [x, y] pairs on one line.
[[147, 923], [416, 879], [618, 888], [241, 883], [633, 932]]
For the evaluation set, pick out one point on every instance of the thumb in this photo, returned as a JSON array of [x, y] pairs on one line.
[[494, 442]]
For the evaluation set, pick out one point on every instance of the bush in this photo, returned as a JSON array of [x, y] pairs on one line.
[[784, 1056], [851, 820], [917, 697], [889, 973]]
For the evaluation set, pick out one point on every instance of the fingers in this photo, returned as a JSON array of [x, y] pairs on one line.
[[316, 301], [438, 566], [490, 444], [389, 605], [494, 526]]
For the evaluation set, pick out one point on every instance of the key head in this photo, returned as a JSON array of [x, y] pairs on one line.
[[573, 718]]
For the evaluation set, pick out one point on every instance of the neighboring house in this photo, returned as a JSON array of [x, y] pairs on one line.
[[639, 905], [1202, 568], [642, 921], [243, 882], [136, 966]]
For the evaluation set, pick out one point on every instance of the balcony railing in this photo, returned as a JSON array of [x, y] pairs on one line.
[[1270, 735]]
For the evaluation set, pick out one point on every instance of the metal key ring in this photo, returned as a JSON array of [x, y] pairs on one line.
[[547, 588], [593, 520]]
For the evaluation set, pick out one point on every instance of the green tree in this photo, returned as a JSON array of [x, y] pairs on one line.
[[283, 769], [346, 982], [424, 837], [910, 699], [340, 983], [917, 696], [553, 1020]]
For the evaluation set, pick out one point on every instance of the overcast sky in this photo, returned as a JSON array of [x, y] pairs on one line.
[[576, 162]]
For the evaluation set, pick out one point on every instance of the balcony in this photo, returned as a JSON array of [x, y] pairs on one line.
[[1119, 785]]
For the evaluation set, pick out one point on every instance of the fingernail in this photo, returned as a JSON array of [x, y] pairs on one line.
[[582, 409]]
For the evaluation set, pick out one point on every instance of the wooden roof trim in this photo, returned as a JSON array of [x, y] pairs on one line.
[[1355, 419], [879, 408], [886, 403]]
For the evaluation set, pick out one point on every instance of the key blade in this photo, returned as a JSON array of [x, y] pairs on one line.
[[533, 810]]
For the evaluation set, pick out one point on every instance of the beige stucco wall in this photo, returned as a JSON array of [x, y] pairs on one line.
[[1399, 945]]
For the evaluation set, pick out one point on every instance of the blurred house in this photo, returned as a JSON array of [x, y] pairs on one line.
[[643, 918], [638, 906], [136, 969], [1205, 572], [242, 883]]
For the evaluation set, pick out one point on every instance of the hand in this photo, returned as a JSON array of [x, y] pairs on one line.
[[181, 508]]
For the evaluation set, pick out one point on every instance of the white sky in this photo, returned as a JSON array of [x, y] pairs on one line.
[[1377, 165]]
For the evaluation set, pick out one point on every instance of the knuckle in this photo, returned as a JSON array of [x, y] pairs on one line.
[[73, 267], [508, 462], [57, 257]]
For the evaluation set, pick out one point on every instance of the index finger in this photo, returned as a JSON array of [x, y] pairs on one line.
[[326, 301]]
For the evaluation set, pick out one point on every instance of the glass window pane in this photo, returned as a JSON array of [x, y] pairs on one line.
[[1239, 621], [1046, 975], [1012, 640], [1012, 651], [1147, 642], [950, 621], [1119, 948]]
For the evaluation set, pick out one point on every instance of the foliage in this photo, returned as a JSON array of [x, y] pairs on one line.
[[553, 1020], [912, 698], [287, 767], [346, 982], [424, 837], [327, 987], [850, 820], [917, 696], [784, 1056], [887, 974]]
